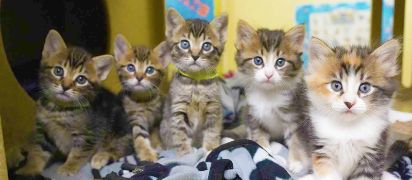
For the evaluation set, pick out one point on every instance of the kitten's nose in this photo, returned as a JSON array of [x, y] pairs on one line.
[[195, 57], [65, 88], [268, 76], [139, 78], [349, 104]]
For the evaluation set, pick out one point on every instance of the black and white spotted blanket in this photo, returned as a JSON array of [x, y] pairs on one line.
[[241, 159]]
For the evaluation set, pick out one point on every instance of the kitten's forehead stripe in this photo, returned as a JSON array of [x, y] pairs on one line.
[[77, 58], [141, 53], [270, 39], [197, 27]]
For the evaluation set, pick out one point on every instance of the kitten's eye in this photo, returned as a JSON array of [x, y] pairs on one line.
[[130, 68], [336, 86], [258, 60], [184, 44], [207, 46], [150, 70], [58, 71], [81, 80], [280, 62], [365, 88]]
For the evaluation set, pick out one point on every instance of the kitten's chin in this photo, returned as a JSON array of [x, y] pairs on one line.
[[63, 97]]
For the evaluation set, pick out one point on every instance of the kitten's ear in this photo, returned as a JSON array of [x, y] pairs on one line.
[[246, 35], [121, 46], [53, 44], [102, 65], [318, 52], [162, 51], [173, 21], [219, 25], [386, 56], [295, 37]]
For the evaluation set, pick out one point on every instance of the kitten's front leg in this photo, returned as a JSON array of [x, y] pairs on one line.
[[141, 141], [37, 159], [298, 158], [179, 127], [370, 167], [77, 157], [212, 126], [324, 168]]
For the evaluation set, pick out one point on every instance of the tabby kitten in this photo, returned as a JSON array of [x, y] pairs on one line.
[[75, 117], [350, 92], [140, 71], [193, 113], [269, 62]]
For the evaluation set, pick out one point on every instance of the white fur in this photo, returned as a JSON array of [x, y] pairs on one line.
[[264, 106], [346, 141]]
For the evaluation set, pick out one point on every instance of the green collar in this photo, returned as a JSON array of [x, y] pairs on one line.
[[199, 76]]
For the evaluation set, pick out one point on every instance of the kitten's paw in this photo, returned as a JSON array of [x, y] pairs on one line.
[[100, 159], [68, 170], [29, 170], [307, 177], [295, 167], [148, 155]]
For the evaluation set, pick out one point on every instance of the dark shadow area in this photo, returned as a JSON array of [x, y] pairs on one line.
[[25, 24]]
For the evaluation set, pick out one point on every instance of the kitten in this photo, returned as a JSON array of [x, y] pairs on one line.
[[350, 92], [193, 113], [269, 62], [140, 71], [75, 117]]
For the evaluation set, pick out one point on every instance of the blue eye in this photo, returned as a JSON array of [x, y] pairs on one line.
[[336, 86], [150, 70], [258, 60], [81, 80], [131, 68], [184, 44], [365, 88], [280, 62], [207, 46], [58, 71]]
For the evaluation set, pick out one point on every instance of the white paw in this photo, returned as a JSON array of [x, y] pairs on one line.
[[296, 167], [307, 177]]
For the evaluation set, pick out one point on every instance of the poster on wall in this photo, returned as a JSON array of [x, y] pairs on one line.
[[191, 9]]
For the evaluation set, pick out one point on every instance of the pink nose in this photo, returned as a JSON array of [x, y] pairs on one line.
[[349, 104], [268, 76]]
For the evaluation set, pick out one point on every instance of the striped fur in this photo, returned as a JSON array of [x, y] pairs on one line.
[[271, 111], [192, 113], [141, 98], [349, 124], [74, 117]]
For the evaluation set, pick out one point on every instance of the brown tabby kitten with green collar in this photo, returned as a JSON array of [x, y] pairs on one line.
[[193, 114], [141, 71], [75, 116]]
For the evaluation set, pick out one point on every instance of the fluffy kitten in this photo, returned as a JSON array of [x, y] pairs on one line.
[[269, 62], [75, 116], [350, 92], [193, 113], [140, 71]]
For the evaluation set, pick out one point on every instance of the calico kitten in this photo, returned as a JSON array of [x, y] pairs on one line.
[[269, 62], [140, 71], [193, 113], [75, 117], [350, 92]]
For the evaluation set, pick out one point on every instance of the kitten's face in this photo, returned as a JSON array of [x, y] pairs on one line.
[[270, 58], [70, 75], [139, 68], [196, 45], [352, 82]]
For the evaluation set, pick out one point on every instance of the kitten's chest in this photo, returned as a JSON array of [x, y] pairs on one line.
[[61, 126], [268, 109]]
